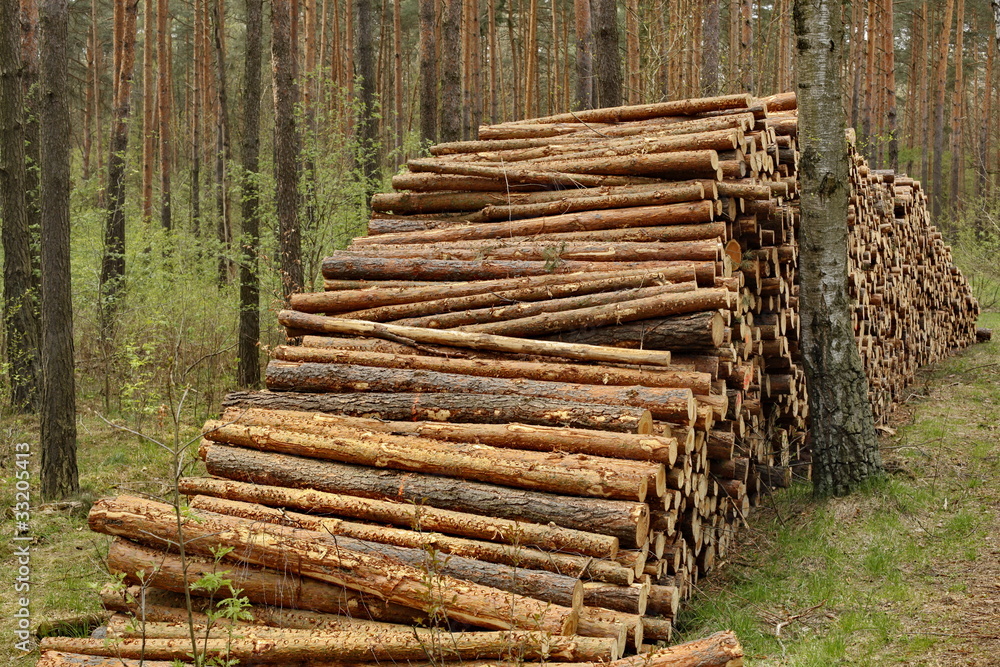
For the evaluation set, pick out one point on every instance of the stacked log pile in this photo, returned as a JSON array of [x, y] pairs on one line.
[[541, 397]]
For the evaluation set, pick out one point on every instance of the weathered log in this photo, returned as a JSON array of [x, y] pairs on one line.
[[50, 658], [379, 296], [665, 234], [624, 114], [641, 216], [633, 164], [452, 182], [698, 250], [663, 600], [667, 404], [475, 341], [499, 509], [538, 584], [773, 477], [454, 408], [719, 650], [337, 647], [516, 175], [689, 332], [510, 435], [503, 368], [277, 546], [285, 588], [662, 305], [541, 471], [628, 599], [621, 198]]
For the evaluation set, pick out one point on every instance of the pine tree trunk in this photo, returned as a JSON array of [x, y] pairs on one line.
[[633, 88], [607, 59], [983, 152], [397, 79], [196, 121], [59, 476], [451, 71], [889, 59], [491, 19], [223, 149], [710, 62], [148, 108], [286, 148], [936, 185], [248, 369], [20, 307], [164, 108], [957, 121], [584, 98], [428, 71], [845, 449]]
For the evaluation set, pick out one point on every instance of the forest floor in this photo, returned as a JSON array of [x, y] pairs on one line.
[[906, 571]]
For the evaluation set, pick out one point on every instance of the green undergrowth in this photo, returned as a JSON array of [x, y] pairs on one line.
[[903, 572]]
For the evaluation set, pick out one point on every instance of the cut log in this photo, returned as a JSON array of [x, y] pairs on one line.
[[690, 332], [530, 174], [541, 471], [511, 435], [499, 509], [276, 546], [582, 251], [696, 163], [451, 182], [50, 658], [503, 368], [639, 112], [719, 650], [454, 408], [628, 599], [474, 341], [675, 405], [671, 233]]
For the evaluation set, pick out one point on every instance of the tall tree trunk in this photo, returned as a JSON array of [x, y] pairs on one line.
[[96, 82], [584, 98], [855, 59], [112, 281], [196, 120], [747, 60], [940, 82], [957, 124], [286, 148], [926, 85], [248, 367], [491, 14], [223, 149], [164, 107], [710, 61], [368, 144], [451, 71], [59, 476], [889, 60], [633, 88], [428, 72], [531, 62], [20, 307], [475, 70], [29, 87], [983, 153], [607, 58], [397, 79], [845, 449], [868, 141], [148, 107], [88, 105], [917, 74]]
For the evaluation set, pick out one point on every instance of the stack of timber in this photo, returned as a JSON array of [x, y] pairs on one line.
[[542, 396]]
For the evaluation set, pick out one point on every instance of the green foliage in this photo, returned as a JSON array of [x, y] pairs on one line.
[[977, 246]]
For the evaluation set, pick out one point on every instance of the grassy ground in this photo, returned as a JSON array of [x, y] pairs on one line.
[[905, 572]]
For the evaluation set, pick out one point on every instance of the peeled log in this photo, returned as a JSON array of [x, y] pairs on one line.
[[693, 331], [640, 216], [676, 405], [541, 471], [504, 368], [275, 546], [510, 435], [452, 407], [472, 509], [286, 588]]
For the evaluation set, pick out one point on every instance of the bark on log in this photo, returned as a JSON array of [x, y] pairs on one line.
[[452, 182], [520, 555], [671, 233], [690, 332], [641, 216], [455, 408], [474, 341], [510, 435], [719, 650], [504, 368], [276, 546], [582, 251], [540, 471], [510, 514], [536, 175], [675, 405], [50, 658], [628, 599], [660, 165]]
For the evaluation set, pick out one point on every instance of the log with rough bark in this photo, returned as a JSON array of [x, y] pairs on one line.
[[454, 408], [277, 546], [510, 435], [501, 510], [501, 249], [475, 341], [503, 368], [639, 112], [691, 332], [567, 474], [676, 405]]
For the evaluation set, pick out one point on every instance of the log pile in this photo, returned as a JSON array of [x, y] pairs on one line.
[[542, 395]]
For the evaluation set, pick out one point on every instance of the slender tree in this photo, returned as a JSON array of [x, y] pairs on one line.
[[607, 58], [710, 61], [845, 449], [451, 71], [368, 156], [940, 82], [286, 148], [428, 72], [584, 98], [164, 94], [223, 146], [248, 367], [59, 476], [148, 106], [20, 307], [957, 120]]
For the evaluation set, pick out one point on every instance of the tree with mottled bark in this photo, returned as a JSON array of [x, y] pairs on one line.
[[941, 82], [996, 18], [248, 352], [844, 445], [584, 98], [59, 476], [451, 71], [607, 58], [428, 72], [148, 107], [20, 307], [286, 148], [164, 94], [710, 59], [368, 134]]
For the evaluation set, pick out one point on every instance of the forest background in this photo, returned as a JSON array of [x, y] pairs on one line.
[[161, 139]]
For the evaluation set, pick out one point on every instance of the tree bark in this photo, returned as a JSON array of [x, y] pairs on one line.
[[248, 353], [584, 92], [697, 331], [710, 60], [845, 448], [503, 511], [428, 71], [936, 186], [20, 309], [367, 130], [164, 108], [286, 148], [957, 115], [448, 407], [223, 149], [148, 106], [607, 58], [57, 417], [451, 71]]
